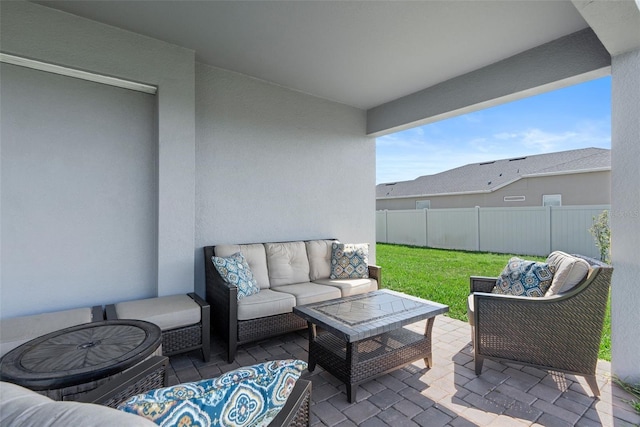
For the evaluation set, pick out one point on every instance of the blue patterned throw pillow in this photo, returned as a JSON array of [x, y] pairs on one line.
[[524, 278], [250, 396], [235, 271], [349, 261]]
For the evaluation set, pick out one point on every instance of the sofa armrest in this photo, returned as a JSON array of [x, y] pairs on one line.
[[481, 284], [144, 377], [223, 299], [296, 410], [375, 272]]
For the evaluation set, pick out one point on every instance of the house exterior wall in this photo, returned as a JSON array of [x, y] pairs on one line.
[[79, 201], [273, 165], [47, 35], [593, 188]]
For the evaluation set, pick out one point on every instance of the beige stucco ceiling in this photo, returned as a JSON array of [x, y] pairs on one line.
[[360, 53]]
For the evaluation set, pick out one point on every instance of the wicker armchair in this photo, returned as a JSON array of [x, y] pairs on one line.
[[558, 333], [152, 374]]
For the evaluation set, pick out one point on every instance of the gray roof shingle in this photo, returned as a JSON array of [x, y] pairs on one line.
[[490, 176]]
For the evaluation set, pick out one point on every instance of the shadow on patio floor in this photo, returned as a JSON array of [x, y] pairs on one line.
[[449, 394]]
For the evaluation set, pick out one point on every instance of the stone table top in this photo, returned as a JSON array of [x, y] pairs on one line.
[[358, 317]]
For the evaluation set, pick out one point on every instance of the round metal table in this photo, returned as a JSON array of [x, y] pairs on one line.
[[67, 363]]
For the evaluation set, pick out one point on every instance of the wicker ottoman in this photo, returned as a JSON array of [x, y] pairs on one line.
[[183, 319]]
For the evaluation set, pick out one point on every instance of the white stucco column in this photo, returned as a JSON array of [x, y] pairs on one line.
[[625, 215]]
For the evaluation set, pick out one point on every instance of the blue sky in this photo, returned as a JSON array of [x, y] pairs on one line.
[[578, 116]]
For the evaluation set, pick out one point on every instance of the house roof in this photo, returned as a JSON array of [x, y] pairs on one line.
[[493, 175]]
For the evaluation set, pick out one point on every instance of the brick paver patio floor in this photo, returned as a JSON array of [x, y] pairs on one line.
[[449, 394]]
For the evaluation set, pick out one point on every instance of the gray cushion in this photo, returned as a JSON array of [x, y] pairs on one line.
[[25, 408], [168, 312], [319, 254], [307, 293], [265, 303], [287, 262], [350, 287], [255, 256], [569, 272], [18, 330]]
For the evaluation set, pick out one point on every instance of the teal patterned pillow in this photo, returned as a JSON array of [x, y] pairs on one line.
[[349, 261], [524, 278], [248, 396], [235, 271]]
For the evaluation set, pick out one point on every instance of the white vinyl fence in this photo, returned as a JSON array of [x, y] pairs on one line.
[[526, 230]]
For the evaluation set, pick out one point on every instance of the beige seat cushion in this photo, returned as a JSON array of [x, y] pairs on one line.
[[18, 330], [350, 287], [168, 312], [287, 262], [20, 407], [265, 303], [569, 272], [319, 254], [255, 256], [307, 293]]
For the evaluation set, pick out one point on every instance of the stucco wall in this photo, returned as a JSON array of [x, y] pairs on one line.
[[593, 188], [79, 201], [47, 35], [274, 165]]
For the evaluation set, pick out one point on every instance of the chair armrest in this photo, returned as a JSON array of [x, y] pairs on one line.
[[142, 378], [481, 284], [375, 272], [110, 312], [97, 314], [296, 409]]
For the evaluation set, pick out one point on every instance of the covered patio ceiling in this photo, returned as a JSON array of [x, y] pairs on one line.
[[359, 53]]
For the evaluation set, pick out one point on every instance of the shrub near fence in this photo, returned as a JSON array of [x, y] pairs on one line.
[[524, 230]]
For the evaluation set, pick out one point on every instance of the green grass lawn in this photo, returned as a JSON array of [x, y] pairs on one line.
[[443, 276]]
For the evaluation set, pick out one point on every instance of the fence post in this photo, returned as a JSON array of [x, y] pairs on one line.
[[478, 228], [426, 227], [549, 229]]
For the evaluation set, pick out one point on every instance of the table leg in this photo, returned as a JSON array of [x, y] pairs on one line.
[[312, 339], [428, 361], [351, 362]]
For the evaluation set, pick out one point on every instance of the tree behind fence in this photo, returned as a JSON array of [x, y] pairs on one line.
[[525, 230]]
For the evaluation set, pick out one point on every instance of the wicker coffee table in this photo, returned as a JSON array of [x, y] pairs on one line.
[[363, 336], [68, 363]]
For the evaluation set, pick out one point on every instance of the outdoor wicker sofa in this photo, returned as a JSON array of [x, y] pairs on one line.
[[559, 333], [292, 273], [25, 408]]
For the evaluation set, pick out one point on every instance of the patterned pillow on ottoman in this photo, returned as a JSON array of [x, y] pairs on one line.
[[524, 278], [248, 396]]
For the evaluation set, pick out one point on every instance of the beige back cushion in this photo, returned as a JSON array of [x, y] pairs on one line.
[[255, 256], [18, 330], [319, 253], [569, 272], [287, 263]]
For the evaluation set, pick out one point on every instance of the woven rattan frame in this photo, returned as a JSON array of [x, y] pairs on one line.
[[186, 338], [559, 333], [223, 300]]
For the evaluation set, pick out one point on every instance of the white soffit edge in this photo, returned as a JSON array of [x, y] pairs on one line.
[[78, 74]]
